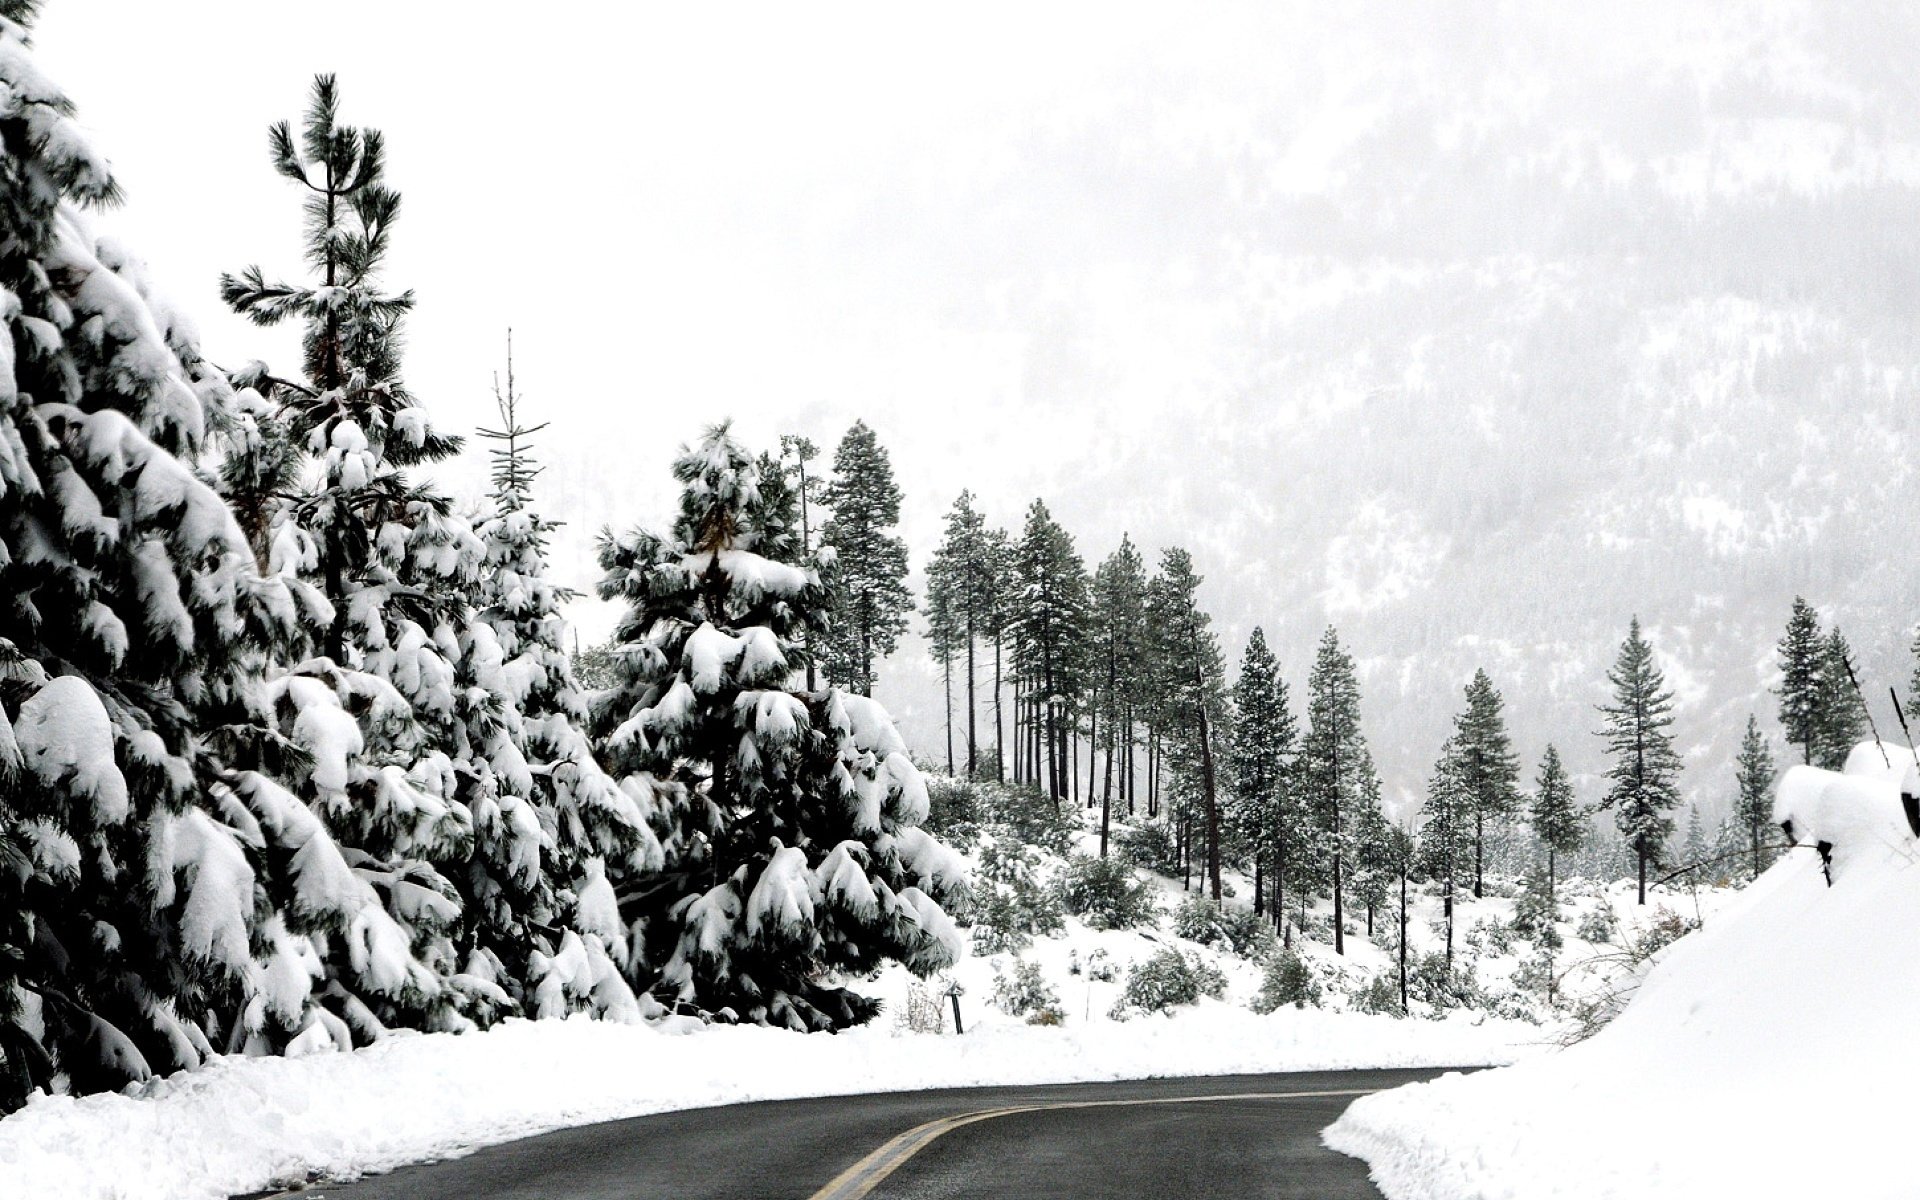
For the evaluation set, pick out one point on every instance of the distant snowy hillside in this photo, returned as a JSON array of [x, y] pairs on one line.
[[1770, 1054]]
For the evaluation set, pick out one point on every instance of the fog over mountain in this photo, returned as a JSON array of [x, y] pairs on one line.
[[1472, 329]]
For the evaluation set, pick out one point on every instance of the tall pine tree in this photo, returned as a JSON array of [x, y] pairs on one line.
[[1800, 691], [794, 851], [1557, 821], [1265, 817], [1645, 771], [868, 561], [1334, 766], [1840, 720], [1753, 803], [1489, 768], [1192, 689]]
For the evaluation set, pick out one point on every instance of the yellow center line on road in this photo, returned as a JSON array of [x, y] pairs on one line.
[[862, 1177]]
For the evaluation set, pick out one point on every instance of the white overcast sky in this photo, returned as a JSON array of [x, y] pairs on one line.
[[691, 212]]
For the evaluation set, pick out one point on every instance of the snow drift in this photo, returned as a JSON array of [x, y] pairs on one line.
[[1772, 1053]]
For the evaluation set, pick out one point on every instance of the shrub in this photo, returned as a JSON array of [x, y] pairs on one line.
[[1598, 924], [1030, 816], [1168, 980], [1007, 916], [954, 811], [1288, 980], [1148, 845], [1024, 991], [1666, 928], [1380, 995], [1489, 936], [1431, 982], [1106, 894], [925, 1010], [1235, 929]]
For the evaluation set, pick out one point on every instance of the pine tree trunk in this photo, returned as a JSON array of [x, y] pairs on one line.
[[1259, 886], [973, 746], [1479, 828], [946, 674], [1132, 771], [1339, 856], [1403, 940], [1213, 805], [1640, 845], [999, 740], [1093, 749]]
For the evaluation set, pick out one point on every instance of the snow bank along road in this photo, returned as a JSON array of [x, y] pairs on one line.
[[1219, 1136]]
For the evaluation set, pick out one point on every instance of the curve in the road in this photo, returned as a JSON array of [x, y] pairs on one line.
[[862, 1177], [1198, 1138]]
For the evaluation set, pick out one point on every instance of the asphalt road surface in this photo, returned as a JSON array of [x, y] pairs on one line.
[[1237, 1136]]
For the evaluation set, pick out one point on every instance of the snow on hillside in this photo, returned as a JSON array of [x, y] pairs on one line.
[[1771, 1053]]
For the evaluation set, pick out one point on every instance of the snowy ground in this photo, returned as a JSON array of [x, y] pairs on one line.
[[249, 1124], [1770, 1054]]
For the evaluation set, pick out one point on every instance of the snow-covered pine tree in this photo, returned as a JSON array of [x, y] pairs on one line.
[[1489, 767], [793, 843], [1373, 870], [1645, 767], [1265, 817], [1694, 850], [548, 928], [963, 564], [1554, 815], [1446, 834], [1049, 630], [392, 734], [1800, 691], [997, 554], [156, 890], [1334, 764], [868, 564], [1120, 613], [1840, 721], [1192, 692], [944, 634], [1753, 802]]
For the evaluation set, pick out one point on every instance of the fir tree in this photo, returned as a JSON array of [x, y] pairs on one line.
[[1645, 766], [1192, 687], [1333, 764], [869, 562], [963, 569], [808, 490], [1265, 816], [1753, 803], [1840, 721], [1049, 628], [1694, 849], [793, 852], [1119, 599], [547, 928], [1489, 768], [1555, 817], [388, 717], [159, 899], [1801, 691], [1374, 872], [1447, 831]]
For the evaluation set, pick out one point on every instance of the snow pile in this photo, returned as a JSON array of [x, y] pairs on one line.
[[1771, 1053], [244, 1124]]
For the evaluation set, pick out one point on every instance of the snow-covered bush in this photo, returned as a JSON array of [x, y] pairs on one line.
[[1024, 991], [1287, 980], [1239, 930], [1098, 967], [1598, 924], [1106, 894], [954, 811], [1029, 815], [1536, 912], [1380, 995], [1432, 982], [1488, 936], [1014, 898], [1149, 845], [1168, 980]]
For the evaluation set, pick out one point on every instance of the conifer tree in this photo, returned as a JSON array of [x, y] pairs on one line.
[[1645, 767], [793, 847], [1374, 872], [943, 638], [1119, 599], [551, 936], [1555, 817], [1753, 804], [1840, 721], [869, 562], [964, 569], [1192, 688], [1489, 768], [1801, 690], [999, 613], [1446, 836], [1049, 628], [808, 490], [1334, 764], [1265, 816], [159, 899], [390, 715]]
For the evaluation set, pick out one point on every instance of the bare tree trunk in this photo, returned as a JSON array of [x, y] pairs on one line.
[[946, 673], [999, 741], [973, 747]]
